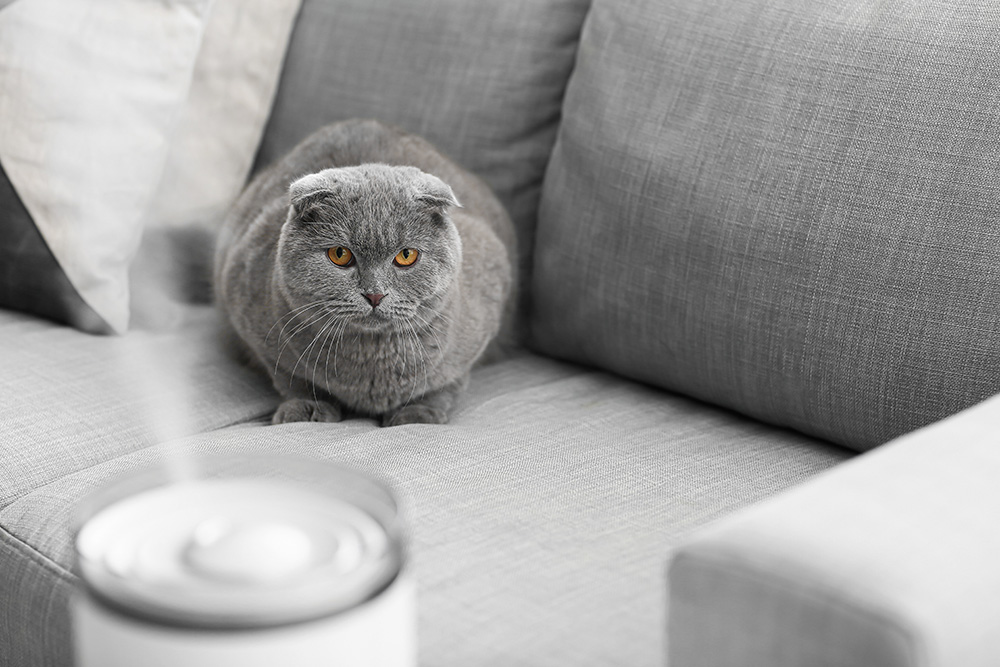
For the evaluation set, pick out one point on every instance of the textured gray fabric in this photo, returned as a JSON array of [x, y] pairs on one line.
[[542, 517], [34, 619], [69, 400], [482, 80], [787, 208], [887, 561], [30, 277]]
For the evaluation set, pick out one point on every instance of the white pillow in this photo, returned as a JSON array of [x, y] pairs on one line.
[[220, 126], [97, 97]]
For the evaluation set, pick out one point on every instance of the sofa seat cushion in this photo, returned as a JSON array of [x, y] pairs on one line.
[[542, 516], [786, 208], [70, 400]]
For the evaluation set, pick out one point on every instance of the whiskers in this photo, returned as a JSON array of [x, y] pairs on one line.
[[422, 352], [290, 316], [332, 343], [395, 357], [320, 317]]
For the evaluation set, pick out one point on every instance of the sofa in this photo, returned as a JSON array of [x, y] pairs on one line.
[[748, 420]]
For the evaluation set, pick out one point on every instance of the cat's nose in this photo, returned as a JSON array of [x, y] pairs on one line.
[[374, 299]]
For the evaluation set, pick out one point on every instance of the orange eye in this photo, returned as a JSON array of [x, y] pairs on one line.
[[340, 256], [406, 257]]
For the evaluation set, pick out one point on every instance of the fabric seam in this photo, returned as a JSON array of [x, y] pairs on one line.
[[232, 424], [36, 556]]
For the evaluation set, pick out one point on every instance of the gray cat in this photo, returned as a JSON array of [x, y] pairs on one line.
[[358, 280]]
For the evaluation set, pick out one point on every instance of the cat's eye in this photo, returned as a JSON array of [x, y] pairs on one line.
[[406, 257], [340, 256]]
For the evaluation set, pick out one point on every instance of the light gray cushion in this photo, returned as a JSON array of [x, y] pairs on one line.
[[787, 208], [482, 80], [887, 561], [69, 401], [542, 517]]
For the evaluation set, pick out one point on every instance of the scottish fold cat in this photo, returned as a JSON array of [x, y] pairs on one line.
[[366, 273]]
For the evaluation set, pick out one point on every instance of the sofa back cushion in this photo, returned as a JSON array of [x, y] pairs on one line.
[[483, 80], [787, 208]]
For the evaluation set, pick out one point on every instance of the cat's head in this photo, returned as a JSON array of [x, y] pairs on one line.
[[374, 242]]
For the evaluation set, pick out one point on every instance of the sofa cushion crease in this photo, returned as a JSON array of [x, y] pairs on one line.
[[257, 420], [33, 554], [77, 400]]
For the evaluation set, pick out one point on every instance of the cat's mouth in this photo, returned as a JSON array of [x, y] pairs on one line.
[[376, 318]]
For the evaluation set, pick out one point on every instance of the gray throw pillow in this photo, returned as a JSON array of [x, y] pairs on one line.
[[787, 208]]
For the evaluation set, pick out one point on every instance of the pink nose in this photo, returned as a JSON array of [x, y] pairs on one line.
[[374, 299]]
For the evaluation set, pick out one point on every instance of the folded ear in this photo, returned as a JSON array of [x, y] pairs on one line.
[[432, 191], [304, 192]]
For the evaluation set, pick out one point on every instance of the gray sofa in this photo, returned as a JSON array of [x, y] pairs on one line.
[[758, 240]]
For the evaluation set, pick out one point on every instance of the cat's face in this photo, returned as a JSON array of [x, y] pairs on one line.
[[372, 245]]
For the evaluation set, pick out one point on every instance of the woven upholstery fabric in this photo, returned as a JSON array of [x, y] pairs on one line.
[[69, 400], [786, 208], [541, 518], [34, 613], [483, 80]]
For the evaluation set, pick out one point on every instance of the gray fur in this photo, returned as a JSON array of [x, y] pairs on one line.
[[374, 190]]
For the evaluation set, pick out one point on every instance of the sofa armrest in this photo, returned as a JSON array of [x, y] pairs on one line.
[[890, 559]]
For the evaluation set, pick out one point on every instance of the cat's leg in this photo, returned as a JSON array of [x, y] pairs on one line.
[[300, 404], [431, 408]]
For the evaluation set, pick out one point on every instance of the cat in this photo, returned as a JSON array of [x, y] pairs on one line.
[[367, 274]]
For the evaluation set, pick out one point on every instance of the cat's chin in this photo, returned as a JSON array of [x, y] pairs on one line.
[[373, 321]]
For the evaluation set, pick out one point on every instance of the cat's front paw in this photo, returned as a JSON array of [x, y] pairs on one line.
[[415, 414], [304, 410]]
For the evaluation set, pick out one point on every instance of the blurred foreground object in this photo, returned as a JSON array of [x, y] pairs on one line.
[[252, 562]]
